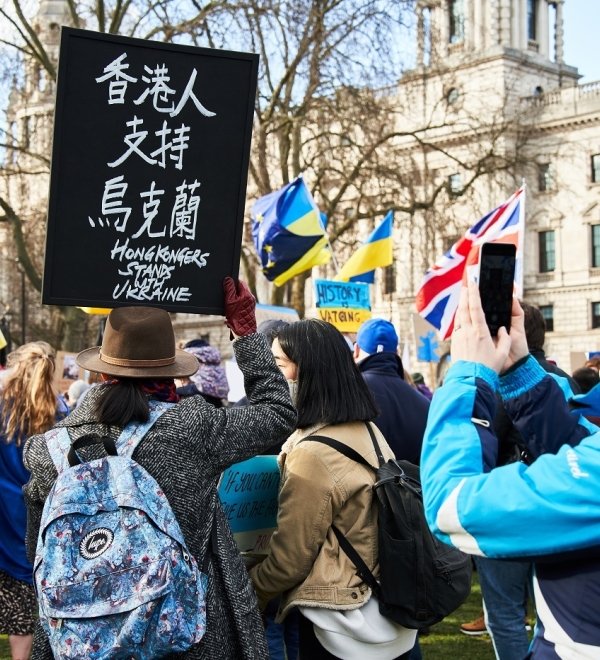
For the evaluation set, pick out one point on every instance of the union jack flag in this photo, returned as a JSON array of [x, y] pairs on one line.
[[437, 299]]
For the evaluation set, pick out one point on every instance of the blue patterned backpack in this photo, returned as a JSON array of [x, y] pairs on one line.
[[113, 576]]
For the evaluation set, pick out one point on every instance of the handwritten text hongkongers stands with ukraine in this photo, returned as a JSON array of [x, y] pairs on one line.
[[156, 179]]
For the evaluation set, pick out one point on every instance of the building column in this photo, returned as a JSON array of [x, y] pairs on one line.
[[420, 37], [440, 26], [480, 27], [559, 33], [494, 23], [504, 23], [543, 31], [518, 33]]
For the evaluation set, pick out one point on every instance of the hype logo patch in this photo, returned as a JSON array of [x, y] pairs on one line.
[[95, 543]]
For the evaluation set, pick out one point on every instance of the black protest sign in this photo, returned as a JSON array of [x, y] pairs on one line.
[[149, 168]]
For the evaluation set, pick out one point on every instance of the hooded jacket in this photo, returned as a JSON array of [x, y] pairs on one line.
[[210, 379], [403, 410]]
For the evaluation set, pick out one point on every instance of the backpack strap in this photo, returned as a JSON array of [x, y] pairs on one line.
[[59, 441], [132, 434], [375, 444], [350, 453], [212, 543], [362, 570]]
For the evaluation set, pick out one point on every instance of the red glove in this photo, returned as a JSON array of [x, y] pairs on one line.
[[239, 307]]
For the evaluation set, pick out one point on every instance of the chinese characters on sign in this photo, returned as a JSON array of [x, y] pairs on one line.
[[146, 273], [148, 172]]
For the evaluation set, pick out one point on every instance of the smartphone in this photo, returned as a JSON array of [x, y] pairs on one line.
[[496, 282]]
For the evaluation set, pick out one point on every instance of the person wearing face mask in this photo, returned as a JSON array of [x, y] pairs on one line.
[[320, 489]]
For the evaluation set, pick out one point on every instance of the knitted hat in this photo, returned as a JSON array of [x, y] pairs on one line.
[[210, 378], [377, 336]]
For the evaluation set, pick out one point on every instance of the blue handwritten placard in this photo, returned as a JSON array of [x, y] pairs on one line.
[[248, 492], [353, 295]]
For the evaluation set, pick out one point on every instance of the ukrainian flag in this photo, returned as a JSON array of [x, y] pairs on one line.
[[288, 232], [375, 252]]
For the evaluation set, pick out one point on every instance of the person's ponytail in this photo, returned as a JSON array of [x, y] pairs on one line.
[[28, 397]]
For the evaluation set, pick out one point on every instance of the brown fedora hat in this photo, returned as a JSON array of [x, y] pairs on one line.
[[139, 342]]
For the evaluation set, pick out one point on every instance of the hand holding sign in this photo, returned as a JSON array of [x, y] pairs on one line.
[[240, 307]]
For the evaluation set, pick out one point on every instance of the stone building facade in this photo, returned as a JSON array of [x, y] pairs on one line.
[[500, 60]]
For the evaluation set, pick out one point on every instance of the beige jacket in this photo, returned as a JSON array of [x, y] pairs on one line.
[[321, 486]]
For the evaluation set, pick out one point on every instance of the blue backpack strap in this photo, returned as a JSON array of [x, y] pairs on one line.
[[133, 433], [58, 442]]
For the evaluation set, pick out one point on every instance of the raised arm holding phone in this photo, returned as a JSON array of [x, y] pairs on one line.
[[548, 511]]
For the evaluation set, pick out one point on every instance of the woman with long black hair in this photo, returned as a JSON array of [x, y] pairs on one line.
[[321, 489]]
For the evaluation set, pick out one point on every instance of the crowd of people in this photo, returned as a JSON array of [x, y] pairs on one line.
[[507, 447]]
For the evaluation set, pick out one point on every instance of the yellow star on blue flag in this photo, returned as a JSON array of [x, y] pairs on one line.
[[288, 232]]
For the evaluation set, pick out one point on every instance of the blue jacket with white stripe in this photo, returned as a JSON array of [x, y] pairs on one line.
[[548, 511]]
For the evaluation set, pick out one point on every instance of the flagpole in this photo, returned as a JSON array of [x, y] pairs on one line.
[[521, 239], [335, 263]]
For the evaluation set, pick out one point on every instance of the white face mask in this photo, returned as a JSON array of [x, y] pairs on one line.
[[293, 385]]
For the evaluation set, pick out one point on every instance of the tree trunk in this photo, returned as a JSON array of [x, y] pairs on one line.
[[277, 295], [75, 330]]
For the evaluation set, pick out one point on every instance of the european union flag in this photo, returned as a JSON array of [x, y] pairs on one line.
[[288, 232]]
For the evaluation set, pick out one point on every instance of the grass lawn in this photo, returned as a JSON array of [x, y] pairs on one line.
[[444, 642]]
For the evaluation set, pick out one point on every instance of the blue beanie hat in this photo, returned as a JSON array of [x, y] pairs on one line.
[[377, 336]]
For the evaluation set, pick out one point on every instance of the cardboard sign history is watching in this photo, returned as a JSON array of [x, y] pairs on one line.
[[149, 167]]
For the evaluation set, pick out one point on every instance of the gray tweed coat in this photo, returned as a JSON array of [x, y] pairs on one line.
[[186, 451]]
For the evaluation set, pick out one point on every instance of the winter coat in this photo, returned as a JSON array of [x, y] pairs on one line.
[[511, 445], [548, 511], [403, 410], [186, 451], [321, 486], [588, 404]]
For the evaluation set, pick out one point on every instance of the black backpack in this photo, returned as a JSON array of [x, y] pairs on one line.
[[422, 580]]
